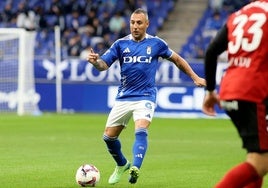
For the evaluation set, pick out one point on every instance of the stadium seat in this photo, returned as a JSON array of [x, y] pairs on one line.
[[158, 11]]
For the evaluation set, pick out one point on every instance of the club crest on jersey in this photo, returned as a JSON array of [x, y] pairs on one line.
[[149, 50]]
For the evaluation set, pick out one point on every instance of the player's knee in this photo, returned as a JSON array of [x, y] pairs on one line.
[[259, 161], [113, 131], [265, 156], [107, 138]]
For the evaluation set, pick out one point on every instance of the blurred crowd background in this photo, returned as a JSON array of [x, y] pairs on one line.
[[96, 24], [211, 21]]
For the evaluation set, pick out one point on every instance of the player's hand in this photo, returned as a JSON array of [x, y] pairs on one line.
[[200, 82], [211, 99], [92, 57]]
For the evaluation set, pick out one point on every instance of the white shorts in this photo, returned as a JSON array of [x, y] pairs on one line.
[[122, 111]]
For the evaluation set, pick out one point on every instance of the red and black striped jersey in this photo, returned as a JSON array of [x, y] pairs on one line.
[[245, 36]]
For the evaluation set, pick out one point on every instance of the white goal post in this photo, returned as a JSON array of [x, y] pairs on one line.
[[17, 81]]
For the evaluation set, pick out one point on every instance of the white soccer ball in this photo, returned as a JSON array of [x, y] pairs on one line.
[[87, 175]]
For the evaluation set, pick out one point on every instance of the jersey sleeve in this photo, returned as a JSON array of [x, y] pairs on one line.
[[111, 55], [164, 51], [216, 47]]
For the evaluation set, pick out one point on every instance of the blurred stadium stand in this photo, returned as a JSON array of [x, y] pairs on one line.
[[181, 22], [83, 23], [206, 28]]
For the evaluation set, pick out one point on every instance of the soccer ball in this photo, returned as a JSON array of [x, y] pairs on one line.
[[87, 175]]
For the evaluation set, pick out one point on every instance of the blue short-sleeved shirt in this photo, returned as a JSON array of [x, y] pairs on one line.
[[138, 62]]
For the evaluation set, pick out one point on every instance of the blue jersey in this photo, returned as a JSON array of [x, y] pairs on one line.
[[138, 62]]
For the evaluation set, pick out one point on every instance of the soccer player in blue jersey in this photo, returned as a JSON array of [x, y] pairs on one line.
[[138, 55]]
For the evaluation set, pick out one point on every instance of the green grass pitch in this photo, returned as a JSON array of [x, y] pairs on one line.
[[45, 151]]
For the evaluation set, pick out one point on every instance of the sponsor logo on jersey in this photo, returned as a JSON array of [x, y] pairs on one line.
[[137, 59]]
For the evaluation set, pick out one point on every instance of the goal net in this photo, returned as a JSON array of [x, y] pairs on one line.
[[17, 83]]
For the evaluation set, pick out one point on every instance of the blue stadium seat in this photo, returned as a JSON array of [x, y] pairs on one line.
[[158, 11]]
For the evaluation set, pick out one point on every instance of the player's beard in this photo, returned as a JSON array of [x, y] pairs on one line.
[[137, 35]]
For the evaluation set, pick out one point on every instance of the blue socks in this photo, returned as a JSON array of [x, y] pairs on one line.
[[114, 147], [140, 146]]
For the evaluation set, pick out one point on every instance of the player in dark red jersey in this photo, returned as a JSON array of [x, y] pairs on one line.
[[243, 92]]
